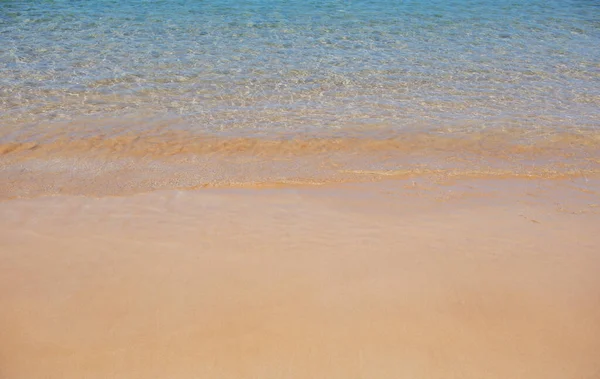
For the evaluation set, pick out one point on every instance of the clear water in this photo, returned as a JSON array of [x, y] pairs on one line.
[[303, 65], [382, 86]]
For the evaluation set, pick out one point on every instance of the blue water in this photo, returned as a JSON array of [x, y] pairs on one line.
[[272, 65]]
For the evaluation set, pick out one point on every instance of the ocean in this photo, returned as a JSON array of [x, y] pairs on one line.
[[267, 91]]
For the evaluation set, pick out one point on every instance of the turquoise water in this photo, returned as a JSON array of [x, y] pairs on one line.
[[271, 65]]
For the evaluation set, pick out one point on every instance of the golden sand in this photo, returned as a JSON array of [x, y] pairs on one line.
[[397, 279]]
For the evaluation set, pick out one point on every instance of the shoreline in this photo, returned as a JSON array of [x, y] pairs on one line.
[[86, 176], [97, 162], [301, 190]]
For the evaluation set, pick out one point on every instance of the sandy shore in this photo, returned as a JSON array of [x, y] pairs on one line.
[[399, 279]]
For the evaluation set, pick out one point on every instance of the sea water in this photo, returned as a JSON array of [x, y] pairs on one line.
[[75, 71]]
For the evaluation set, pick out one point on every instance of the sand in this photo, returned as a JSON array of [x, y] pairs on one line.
[[397, 279]]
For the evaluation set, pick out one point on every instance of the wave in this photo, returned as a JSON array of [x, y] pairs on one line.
[[126, 163], [182, 143]]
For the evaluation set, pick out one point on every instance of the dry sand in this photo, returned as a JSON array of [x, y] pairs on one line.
[[398, 279]]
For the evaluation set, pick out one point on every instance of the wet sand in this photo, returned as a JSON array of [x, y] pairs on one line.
[[84, 159], [415, 279]]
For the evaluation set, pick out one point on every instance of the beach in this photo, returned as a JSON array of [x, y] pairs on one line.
[[417, 279], [268, 189]]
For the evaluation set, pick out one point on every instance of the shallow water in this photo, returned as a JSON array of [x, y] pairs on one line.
[[109, 76]]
